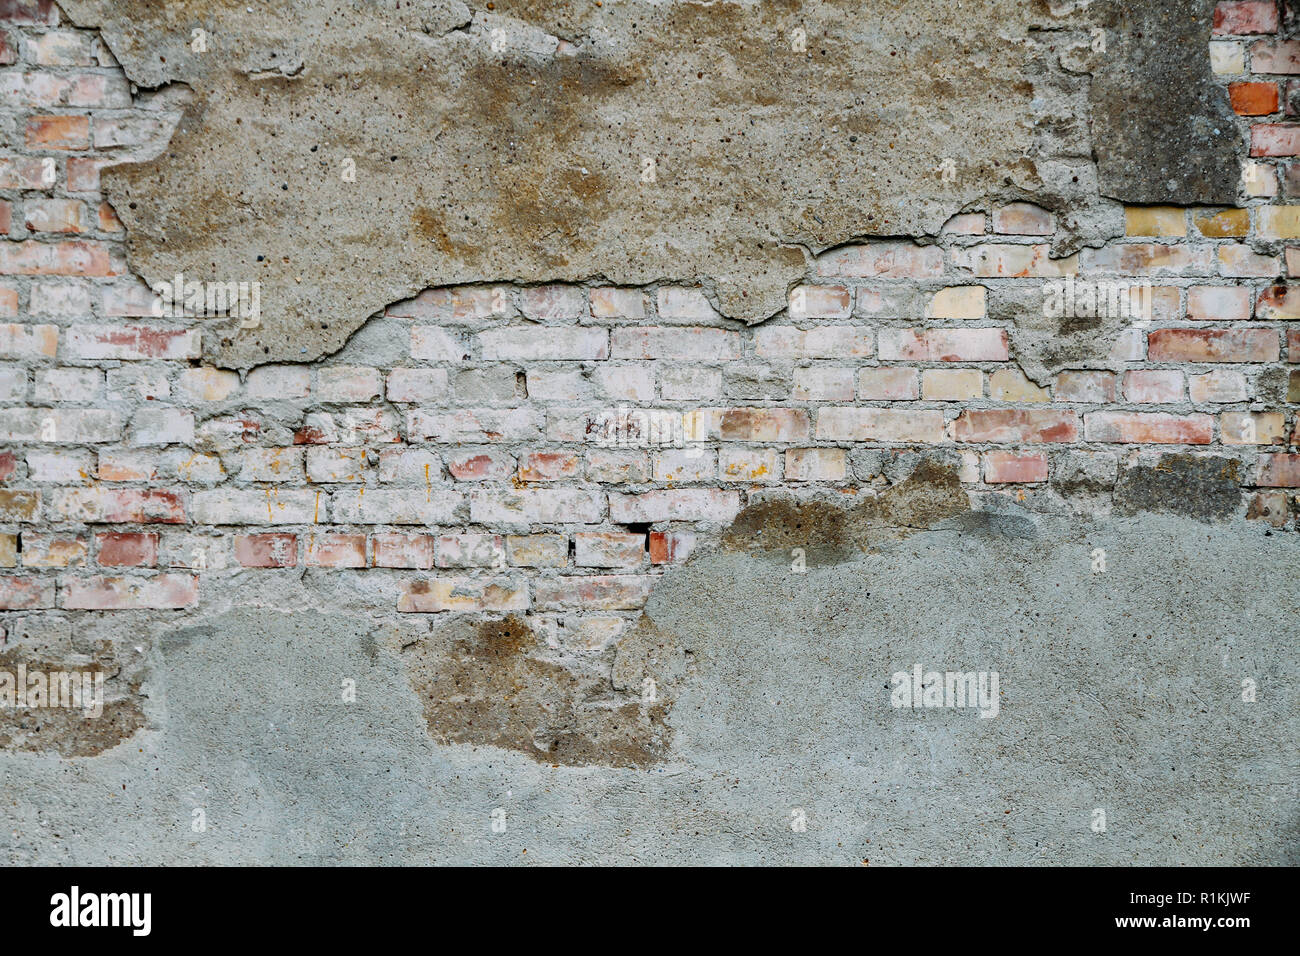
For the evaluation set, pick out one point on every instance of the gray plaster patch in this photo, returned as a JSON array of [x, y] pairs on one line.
[[1119, 691], [1207, 487], [515, 144], [1170, 136]]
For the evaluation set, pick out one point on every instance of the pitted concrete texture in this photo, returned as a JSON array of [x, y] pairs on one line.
[[1120, 691], [723, 143]]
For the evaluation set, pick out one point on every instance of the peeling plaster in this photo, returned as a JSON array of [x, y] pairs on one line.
[[526, 162]]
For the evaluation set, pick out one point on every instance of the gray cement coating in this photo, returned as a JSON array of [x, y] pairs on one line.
[[511, 144], [1119, 690]]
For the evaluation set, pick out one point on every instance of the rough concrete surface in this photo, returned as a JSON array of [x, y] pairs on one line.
[[1119, 690], [423, 580], [510, 141]]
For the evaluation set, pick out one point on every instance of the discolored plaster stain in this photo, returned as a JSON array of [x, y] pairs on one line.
[[70, 732], [497, 683], [631, 142], [832, 531], [1171, 137], [484, 682], [1205, 487]]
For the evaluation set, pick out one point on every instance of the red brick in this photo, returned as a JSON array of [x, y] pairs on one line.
[[8, 465], [1145, 258], [549, 466], [944, 345], [1004, 467], [1277, 304], [608, 549], [1253, 99], [469, 550], [54, 215], [1154, 428], [1212, 345], [815, 464], [127, 549], [83, 174], [58, 132], [1218, 303], [473, 426], [108, 221], [310, 435], [991, 260], [693, 344], [1153, 386], [22, 172], [1279, 471], [1275, 139], [158, 593], [549, 302], [1245, 16], [54, 550], [847, 423], [610, 302], [29, 12], [1015, 425], [888, 259], [76, 257], [395, 550], [820, 302], [678, 504], [827, 341], [887, 384], [28, 341], [671, 547], [25, 594], [8, 48], [606, 592], [132, 342], [1293, 345], [480, 466], [119, 506], [1270, 506], [1022, 219], [337, 551], [1275, 56], [463, 594], [1085, 386], [272, 550], [461, 304], [764, 424]]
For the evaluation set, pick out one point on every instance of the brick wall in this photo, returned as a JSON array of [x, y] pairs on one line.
[[502, 449]]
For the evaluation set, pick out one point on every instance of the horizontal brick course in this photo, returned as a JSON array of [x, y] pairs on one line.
[[1212, 345], [469, 460]]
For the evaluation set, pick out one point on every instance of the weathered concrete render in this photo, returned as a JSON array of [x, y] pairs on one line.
[[1130, 580], [1120, 690], [514, 141]]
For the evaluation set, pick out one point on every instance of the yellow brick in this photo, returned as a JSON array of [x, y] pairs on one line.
[[952, 384], [1154, 221], [1010, 385], [1279, 222], [1258, 179], [1227, 59], [958, 302], [1222, 223], [8, 550], [1252, 428]]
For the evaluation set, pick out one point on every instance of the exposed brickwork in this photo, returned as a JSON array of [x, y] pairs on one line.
[[552, 449]]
